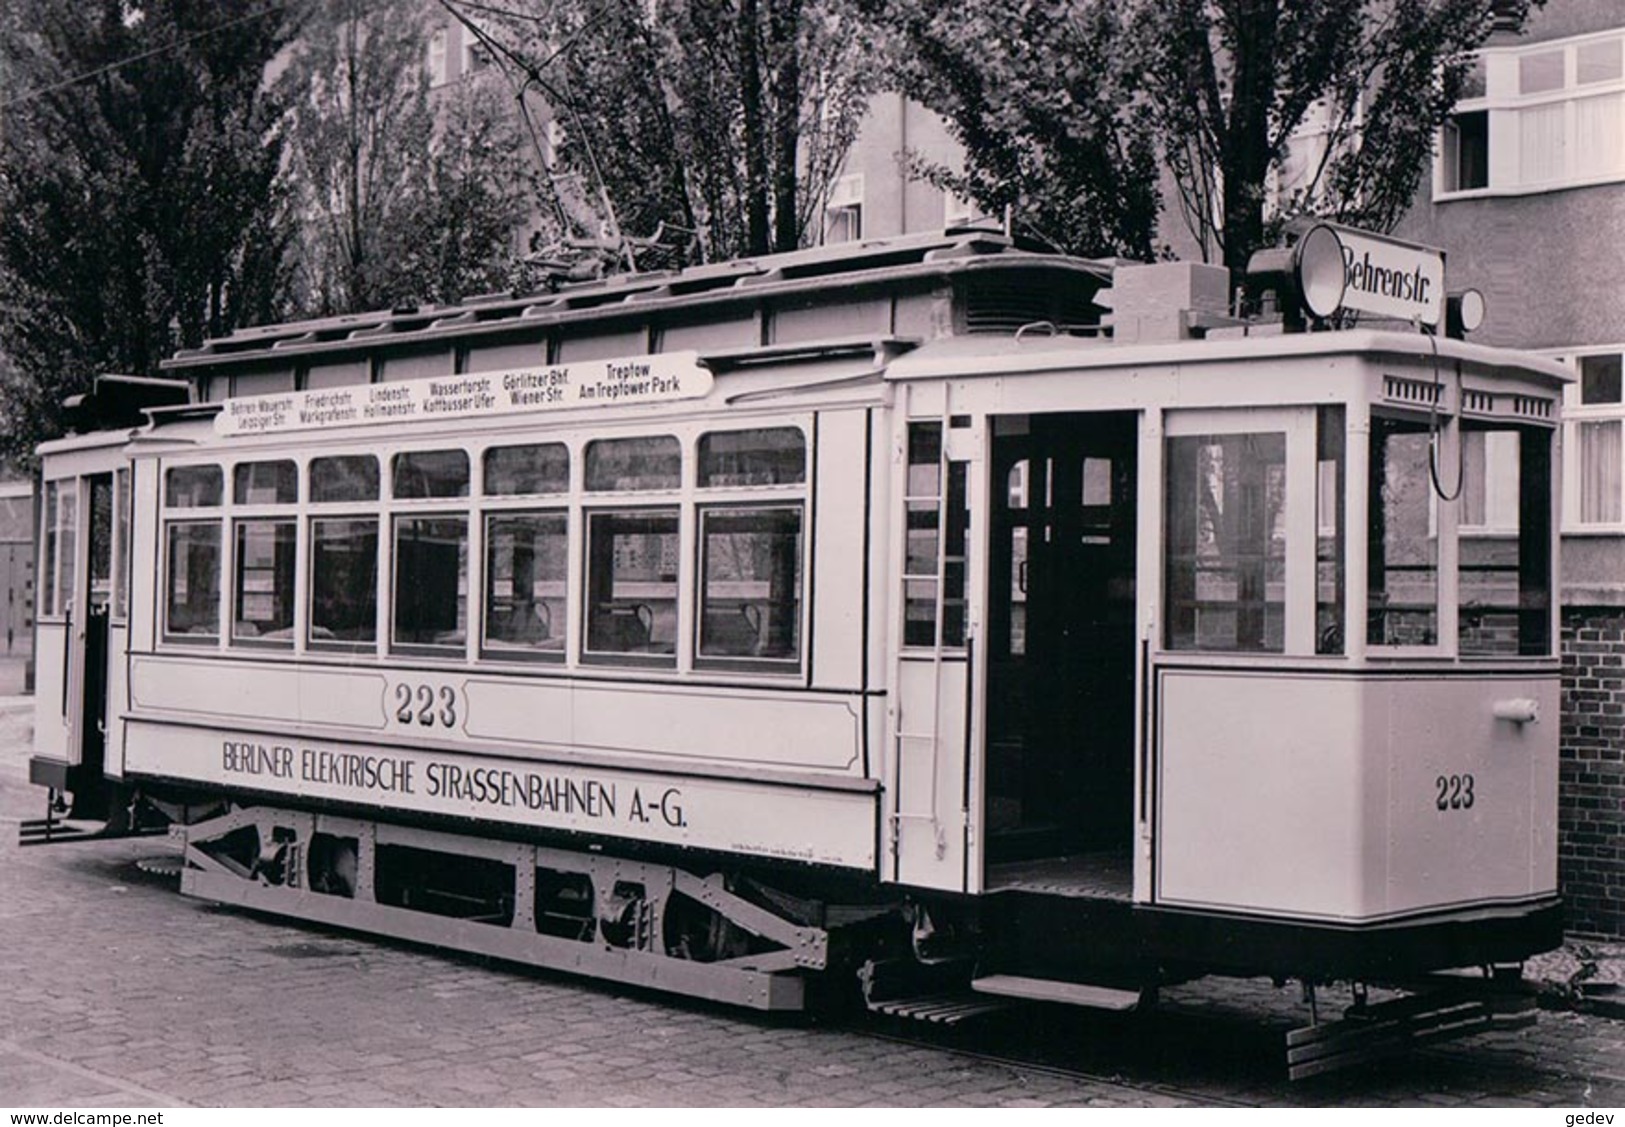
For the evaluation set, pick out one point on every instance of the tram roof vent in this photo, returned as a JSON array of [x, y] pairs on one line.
[[1166, 301]]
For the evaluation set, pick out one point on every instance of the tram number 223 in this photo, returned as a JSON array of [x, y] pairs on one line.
[[1455, 792], [427, 706]]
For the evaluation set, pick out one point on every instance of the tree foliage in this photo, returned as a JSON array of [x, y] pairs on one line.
[[404, 195], [689, 130], [138, 191], [1045, 97], [1067, 108]]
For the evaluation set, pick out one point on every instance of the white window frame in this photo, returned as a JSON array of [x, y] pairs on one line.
[[1576, 413], [845, 204], [1509, 109]]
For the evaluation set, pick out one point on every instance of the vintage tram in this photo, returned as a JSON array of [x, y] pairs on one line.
[[975, 621]]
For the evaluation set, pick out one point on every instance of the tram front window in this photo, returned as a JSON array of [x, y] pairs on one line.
[[632, 584], [1504, 568], [343, 581], [1226, 534], [1402, 567]]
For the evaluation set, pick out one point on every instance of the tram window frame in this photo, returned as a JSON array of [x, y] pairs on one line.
[[319, 574], [58, 550], [607, 616], [123, 498], [1253, 633], [727, 634], [1416, 479], [414, 596], [523, 616], [173, 529], [936, 506], [1519, 543], [281, 580], [550, 470], [194, 503]]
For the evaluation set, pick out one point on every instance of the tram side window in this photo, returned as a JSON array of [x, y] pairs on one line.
[[1402, 563], [343, 554], [1330, 520], [632, 584], [525, 583], [430, 473], [265, 483], [61, 522], [431, 582], [193, 553], [934, 544], [1504, 557], [750, 594], [1225, 572], [192, 606], [617, 465], [513, 470], [768, 456], [345, 477], [343, 581], [121, 575], [263, 588]]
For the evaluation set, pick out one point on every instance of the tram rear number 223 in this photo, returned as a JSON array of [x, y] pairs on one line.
[[425, 705], [1455, 792]]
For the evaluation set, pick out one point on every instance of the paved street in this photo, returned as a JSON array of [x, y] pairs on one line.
[[118, 992]]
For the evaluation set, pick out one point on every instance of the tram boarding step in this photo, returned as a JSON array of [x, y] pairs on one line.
[[60, 831], [1049, 990], [1389, 1028], [941, 1009]]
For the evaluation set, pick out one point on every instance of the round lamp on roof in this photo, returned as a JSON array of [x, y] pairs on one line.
[[1317, 263]]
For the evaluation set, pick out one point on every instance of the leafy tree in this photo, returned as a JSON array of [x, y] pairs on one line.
[[1066, 107], [138, 188], [406, 194], [689, 129], [1046, 98]]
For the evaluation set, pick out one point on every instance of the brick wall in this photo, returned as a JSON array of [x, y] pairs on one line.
[[1591, 792]]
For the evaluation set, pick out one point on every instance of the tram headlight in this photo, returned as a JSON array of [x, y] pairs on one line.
[[1463, 312], [1309, 277]]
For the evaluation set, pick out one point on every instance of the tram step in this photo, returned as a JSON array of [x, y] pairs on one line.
[[1389, 1028], [57, 831], [942, 1009], [1049, 990]]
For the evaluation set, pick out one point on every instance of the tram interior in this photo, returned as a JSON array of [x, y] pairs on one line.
[[1061, 665]]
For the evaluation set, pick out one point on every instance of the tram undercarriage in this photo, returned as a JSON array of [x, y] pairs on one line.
[[740, 940]]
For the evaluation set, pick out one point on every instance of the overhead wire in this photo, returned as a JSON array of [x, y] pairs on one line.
[[183, 41]]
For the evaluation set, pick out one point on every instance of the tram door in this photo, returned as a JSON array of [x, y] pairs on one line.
[[1060, 701], [88, 589]]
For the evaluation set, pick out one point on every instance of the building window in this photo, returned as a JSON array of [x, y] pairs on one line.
[[843, 214], [1594, 414], [1538, 117], [437, 56]]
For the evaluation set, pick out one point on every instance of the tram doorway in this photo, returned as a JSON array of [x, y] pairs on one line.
[[1061, 613], [90, 640]]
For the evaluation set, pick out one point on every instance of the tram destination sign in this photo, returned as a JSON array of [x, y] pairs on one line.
[[473, 395], [1390, 278]]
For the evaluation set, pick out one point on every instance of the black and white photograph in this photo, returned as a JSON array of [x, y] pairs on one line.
[[788, 554]]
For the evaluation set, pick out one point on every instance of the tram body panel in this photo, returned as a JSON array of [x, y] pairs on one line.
[[1354, 797]]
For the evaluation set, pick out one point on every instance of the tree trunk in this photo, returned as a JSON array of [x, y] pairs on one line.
[[750, 97], [1246, 157], [785, 16]]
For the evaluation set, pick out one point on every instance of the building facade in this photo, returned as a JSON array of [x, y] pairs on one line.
[[1527, 199]]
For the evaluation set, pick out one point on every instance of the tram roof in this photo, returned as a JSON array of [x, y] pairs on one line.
[[829, 273], [983, 355]]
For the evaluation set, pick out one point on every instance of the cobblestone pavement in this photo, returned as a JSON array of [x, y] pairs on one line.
[[115, 991]]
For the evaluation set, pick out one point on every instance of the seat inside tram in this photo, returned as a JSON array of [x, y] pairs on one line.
[[1060, 715]]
